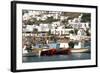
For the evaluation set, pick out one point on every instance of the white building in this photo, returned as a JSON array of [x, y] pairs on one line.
[[64, 45], [76, 23], [81, 32], [56, 16], [79, 25], [30, 28], [55, 24], [44, 17], [60, 31], [43, 28], [26, 16]]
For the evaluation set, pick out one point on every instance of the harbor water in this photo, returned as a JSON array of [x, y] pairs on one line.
[[73, 56]]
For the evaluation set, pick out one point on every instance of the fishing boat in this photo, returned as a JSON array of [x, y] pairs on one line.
[[47, 51], [63, 51], [54, 51]]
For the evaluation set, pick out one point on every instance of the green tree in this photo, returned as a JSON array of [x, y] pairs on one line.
[[86, 17], [71, 31]]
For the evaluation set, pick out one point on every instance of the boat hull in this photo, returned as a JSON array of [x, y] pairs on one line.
[[54, 51]]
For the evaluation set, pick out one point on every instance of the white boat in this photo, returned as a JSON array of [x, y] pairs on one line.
[[81, 50]]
